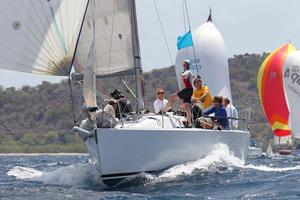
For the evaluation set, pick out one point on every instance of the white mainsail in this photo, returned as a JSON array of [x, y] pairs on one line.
[[40, 36], [210, 59], [114, 38], [291, 79]]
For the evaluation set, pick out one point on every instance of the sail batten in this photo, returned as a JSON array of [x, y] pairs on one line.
[[39, 36]]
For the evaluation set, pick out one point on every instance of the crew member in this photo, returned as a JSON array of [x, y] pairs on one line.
[[202, 95], [231, 113], [186, 93], [160, 103], [220, 115]]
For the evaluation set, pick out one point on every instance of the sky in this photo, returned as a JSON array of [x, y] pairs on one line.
[[247, 26]]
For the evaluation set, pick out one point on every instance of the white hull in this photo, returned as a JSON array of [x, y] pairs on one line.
[[254, 152], [124, 152]]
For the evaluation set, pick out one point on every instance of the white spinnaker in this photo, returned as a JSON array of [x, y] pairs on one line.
[[39, 36], [114, 40], [291, 80], [211, 56]]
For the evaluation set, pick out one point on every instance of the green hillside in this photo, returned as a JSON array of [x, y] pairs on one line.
[[43, 114]]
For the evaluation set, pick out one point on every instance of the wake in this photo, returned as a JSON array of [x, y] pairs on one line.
[[81, 175], [86, 175]]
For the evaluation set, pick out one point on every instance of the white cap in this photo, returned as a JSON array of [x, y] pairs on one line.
[[187, 61]]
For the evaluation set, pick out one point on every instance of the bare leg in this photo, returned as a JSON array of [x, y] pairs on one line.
[[187, 107], [171, 100]]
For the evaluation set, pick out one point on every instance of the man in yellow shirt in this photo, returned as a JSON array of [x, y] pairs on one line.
[[202, 95]]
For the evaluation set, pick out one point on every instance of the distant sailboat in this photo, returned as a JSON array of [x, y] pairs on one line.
[[269, 151], [271, 93], [291, 80]]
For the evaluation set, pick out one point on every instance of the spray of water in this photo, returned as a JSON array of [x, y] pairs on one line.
[[82, 175]]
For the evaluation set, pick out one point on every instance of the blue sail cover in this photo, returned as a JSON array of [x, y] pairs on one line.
[[185, 41]]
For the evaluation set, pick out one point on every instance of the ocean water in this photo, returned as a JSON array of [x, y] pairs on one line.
[[219, 175]]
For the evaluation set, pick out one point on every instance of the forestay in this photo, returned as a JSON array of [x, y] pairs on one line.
[[114, 38], [291, 82], [40, 36]]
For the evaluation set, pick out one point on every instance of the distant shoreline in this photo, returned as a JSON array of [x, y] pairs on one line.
[[43, 154]]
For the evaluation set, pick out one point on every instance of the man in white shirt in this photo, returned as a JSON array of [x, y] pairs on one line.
[[160, 103], [231, 112]]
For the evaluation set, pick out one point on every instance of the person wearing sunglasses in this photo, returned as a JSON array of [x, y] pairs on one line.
[[160, 102]]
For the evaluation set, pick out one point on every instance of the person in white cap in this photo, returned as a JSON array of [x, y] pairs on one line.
[[186, 93]]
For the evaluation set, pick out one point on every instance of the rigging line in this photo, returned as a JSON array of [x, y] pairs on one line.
[[163, 31], [112, 33], [77, 27], [79, 35], [189, 24], [18, 139], [71, 98], [184, 16]]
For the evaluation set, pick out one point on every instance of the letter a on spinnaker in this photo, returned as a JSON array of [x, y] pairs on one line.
[[271, 90], [291, 80]]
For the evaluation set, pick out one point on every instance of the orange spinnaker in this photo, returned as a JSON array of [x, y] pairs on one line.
[[271, 90]]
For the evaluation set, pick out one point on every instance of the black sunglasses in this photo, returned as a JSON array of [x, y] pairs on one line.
[[160, 92]]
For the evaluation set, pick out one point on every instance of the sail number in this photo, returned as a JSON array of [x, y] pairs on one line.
[[293, 74]]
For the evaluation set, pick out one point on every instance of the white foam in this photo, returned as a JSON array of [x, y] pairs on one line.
[[271, 169], [82, 175], [24, 172], [220, 155], [74, 175]]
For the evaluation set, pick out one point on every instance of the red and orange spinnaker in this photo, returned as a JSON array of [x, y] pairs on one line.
[[271, 90]]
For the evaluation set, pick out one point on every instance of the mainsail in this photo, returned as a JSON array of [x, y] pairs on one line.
[[40, 36], [209, 59], [271, 90], [291, 79], [114, 38]]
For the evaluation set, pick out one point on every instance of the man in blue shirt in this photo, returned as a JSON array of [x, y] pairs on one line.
[[220, 118]]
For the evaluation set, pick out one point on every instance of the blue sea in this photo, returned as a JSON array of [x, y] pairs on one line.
[[219, 175]]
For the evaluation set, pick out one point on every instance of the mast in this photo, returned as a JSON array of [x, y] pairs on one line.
[[137, 57]]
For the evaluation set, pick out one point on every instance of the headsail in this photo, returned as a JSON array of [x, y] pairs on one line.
[[40, 36], [271, 90], [211, 59], [291, 79], [89, 80], [114, 38]]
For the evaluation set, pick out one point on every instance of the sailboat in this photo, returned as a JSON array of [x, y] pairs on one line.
[[100, 39], [272, 96], [291, 80]]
